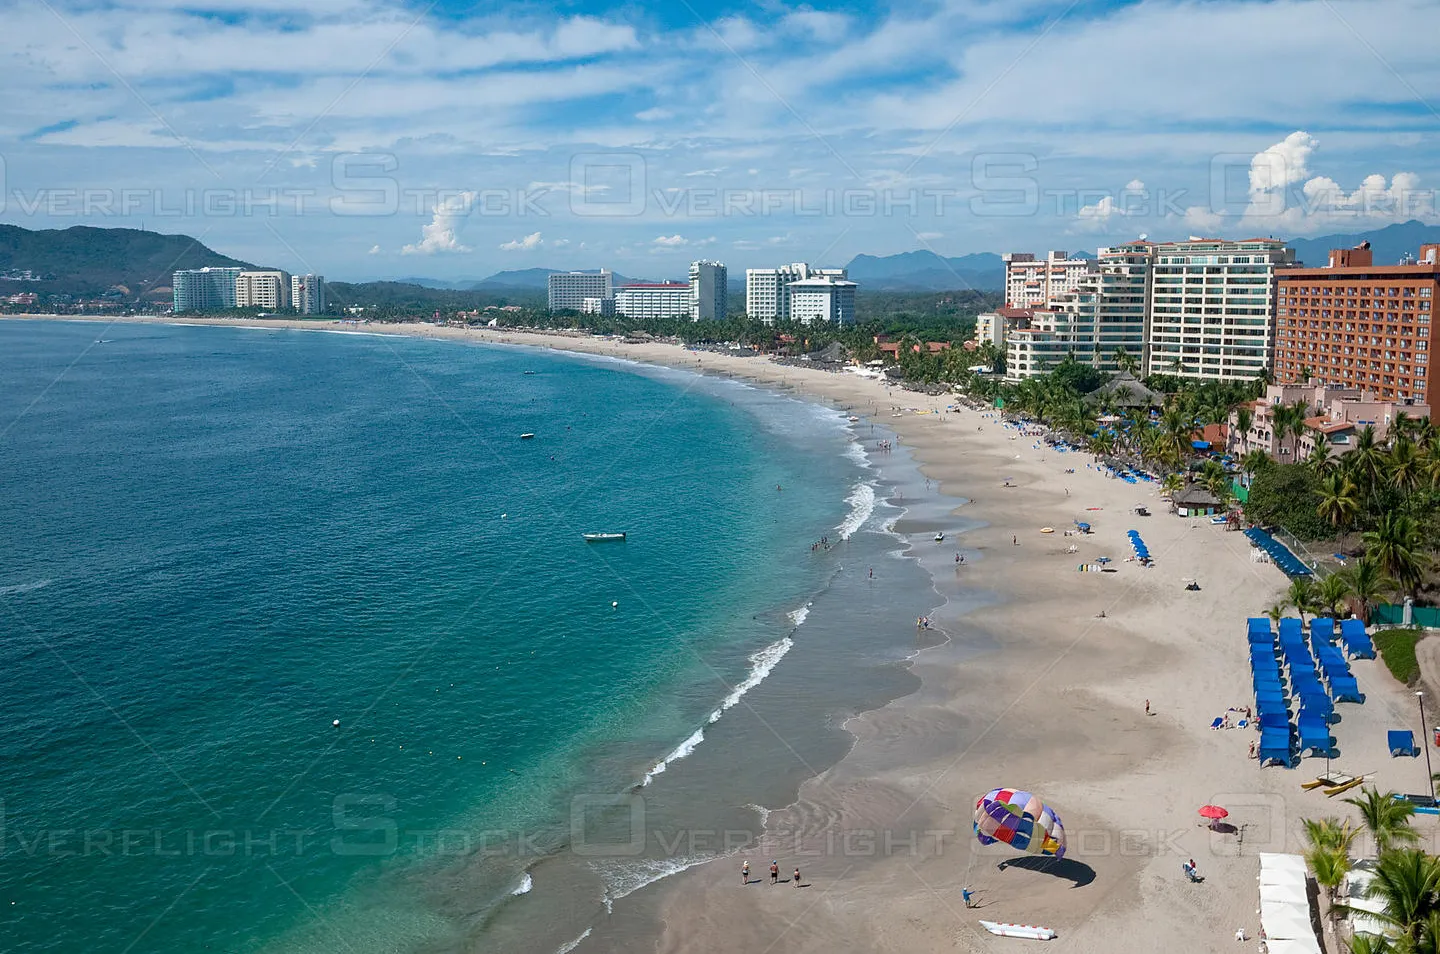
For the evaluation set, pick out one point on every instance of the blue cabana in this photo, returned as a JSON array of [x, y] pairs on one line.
[[1402, 742]]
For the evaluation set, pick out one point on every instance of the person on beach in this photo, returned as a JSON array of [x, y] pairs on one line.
[[1252, 748], [745, 873], [872, 573], [1015, 541], [774, 872], [1147, 706], [967, 897], [796, 879]]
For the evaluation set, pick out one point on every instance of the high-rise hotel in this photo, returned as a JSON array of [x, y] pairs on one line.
[[1356, 324]]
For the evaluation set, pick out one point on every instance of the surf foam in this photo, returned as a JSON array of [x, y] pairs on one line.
[[567, 948], [18, 588], [862, 505], [526, 884], [762, 662]]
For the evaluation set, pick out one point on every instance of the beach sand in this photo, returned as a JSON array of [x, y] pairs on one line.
[[1034, 691]]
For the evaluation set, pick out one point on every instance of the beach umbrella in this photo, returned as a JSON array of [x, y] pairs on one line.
[[1212, 812]]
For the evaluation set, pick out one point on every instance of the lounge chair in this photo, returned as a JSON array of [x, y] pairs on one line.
[[1219, 721]]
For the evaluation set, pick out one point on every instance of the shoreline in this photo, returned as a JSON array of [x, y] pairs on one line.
[[1032, 690]]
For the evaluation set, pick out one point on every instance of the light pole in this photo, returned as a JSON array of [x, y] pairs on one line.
[[1425, 742]]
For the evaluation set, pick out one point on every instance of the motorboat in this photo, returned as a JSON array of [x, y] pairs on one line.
[[603, 537], [940, 537], [1032, 931], [527, 437]]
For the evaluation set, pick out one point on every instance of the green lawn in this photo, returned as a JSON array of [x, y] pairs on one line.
[[1397, 648]]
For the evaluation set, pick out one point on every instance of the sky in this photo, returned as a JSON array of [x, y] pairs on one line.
[[368, 139]]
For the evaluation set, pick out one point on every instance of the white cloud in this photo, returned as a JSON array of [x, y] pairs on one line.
[[1130, 201], [1322, 203], [671, 241], [1202, 221], [442, 234], [1286, 162], [374, 250], [653, 115], [531, 241], [929, 236]]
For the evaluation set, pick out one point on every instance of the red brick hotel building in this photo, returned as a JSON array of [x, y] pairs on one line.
[[1357, 324]]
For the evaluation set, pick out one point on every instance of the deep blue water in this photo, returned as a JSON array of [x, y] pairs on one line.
[[216, 542]]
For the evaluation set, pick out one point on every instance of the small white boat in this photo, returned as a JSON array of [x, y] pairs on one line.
[[1018, 930], [939, 537], [854, 419], [526, 437], [603, 537]]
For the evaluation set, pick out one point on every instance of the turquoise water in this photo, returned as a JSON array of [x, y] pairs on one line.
[[218, 542]]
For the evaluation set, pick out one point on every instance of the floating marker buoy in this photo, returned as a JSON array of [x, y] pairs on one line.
[[613, 604], [336, 723]]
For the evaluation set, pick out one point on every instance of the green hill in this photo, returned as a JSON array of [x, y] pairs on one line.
[[88, 262]]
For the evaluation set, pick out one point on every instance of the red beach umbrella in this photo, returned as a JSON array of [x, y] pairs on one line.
[[1212, 812]]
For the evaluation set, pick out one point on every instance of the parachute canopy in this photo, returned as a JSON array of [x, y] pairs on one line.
[[1020, 820]]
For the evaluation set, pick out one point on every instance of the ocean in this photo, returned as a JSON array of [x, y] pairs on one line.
[[301, 648]]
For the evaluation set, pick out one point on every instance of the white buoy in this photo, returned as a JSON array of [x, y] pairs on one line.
[[613, 604], [336, 723]]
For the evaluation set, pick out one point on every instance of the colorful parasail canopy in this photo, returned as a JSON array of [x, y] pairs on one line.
[[1020, 820]]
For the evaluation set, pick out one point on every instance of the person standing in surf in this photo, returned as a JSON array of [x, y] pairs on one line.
[[774, 872], [745, 873]]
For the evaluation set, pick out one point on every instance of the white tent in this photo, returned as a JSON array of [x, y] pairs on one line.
[[1277, 876], [1271, 861], [1293, 893], [1286, 922], [1294, 946]]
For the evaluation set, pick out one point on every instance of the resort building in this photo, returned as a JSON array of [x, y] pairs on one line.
[[826, 300], [568, 290], [709, 291], [269, 289], [204, 289], [1353, 323], [653, 300], [1212, 306], [1335, 414], [767, 295], [605, 307], [1032, 283], [307, 294], [996, 326]]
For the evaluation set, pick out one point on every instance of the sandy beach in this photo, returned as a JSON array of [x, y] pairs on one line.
[[1036, 690]]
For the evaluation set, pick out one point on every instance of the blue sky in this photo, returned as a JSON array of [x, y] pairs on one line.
[[373, 138]]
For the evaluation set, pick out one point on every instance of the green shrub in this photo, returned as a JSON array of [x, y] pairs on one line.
[[1286, 495], [1397, 648]]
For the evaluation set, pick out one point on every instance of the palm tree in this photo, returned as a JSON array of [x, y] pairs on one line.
[[1387, 819], [1276, 613], [1301, 595], [1125, 361], [1366, 582], [1339, 501], [1407, 881], [1171, 484], [1330, 594], [1329, 854], [1396, 544], [1244, 418], [1319, 460], [1366, 460], [1405, 465], [1255, 461]]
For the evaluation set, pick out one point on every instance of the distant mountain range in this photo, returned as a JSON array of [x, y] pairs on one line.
[[135, 265], [1387, 245], [129, 264], [926, 271]]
